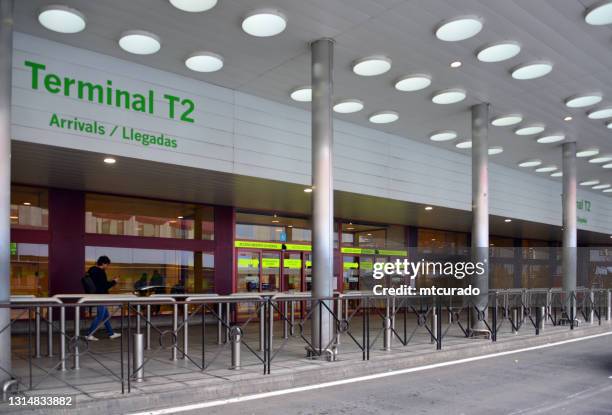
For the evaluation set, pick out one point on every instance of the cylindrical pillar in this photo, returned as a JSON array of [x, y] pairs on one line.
[[6, 56], [480, 211], [138, 358], [174, 330], [236, 339], [322, 51], [77, 337], [609, 305], [63, 336], [185, 330], [515, 320], [148, 328], [569, 260], [50, 331]]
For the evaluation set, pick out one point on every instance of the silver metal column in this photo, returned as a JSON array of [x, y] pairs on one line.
[[185, 330], [322, 51], [480, 208], [63, 336], [6, 57], [569, 260], [50, 331]]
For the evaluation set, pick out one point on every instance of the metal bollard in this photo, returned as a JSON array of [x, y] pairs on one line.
[[236, 339], [77, 332], [63, 335], [515, 322], [50, 331], [220, 323], [262, 317], [387, 334], [138, 357], [541, 317], [340, 318], [148, 328], [185, 330], [174, 329], [37, 334], [434, 325], [609, 306], [592, 307]]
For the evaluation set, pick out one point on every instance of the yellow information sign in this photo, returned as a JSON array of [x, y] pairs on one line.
[[298, 247], [248, 263], [270, 262], [391, 252], [347, 250], [366, 265], [257, 245], [351, 265], [292, 263]]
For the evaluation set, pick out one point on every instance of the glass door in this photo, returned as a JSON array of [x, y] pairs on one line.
[[270, 271], [292, 271], [247, 271]]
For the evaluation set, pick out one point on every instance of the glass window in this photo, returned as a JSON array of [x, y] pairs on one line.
[[535, 249], [536, 276], [173, 272], [29, 269], [373, 236], [502, 276], [432, 241], [258, 227], [114, 215], [29, 208], [501, 247]]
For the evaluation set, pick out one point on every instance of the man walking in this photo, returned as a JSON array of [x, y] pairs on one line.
[[97, 273]]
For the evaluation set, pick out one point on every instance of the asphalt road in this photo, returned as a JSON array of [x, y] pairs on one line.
[[573, 378]]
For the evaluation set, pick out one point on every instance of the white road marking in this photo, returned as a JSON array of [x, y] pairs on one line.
[[263, 395]]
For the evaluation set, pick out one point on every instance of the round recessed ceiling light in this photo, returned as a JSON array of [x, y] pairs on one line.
[[602, 186], [264, 23], [110, 160], [428, 207], [204, 62], [445, 135], [456, 64], [495, 150], [607, 166], [588, 152], [552, 138], [530, 163], [507, 120], [530, 129], [308, 190], [384, 117], [532, 70], [62, 19], [568, 118], [589, 182], [583, 100], [557, 174], [600, 113], [414, 82], [466, 144], [194, 6], [348, 106], [601, 159], [139, 42], [460, 28], [507, 220], [599, 14], [546, 169], [498, 52], [448, 96], [608, 191], [301, 94], [372, 65]]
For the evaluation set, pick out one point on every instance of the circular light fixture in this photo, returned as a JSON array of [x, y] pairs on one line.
[[372, 65], [608, 191], [495, 150], [444, 135], [194, 6], [588, 152], [609, 125], [600, 113], [460, 28], [301, 94], [348, 106], [428, 207], [557, 174], [110, 160], [413, 82], [583, 100], [27, 204], [602, 186], [568, 118], [507, 120], [456, 64], [204, 62], [384, 117], [607, 166], [139, 42], [498, 52], [589, 182], [546, 169], [62, 19], [552, 138], [448, 96], [507, 220], [179, 217], [264, 23], [308, 190], [530, 163], [601, 159], [599, 14], [531, 70], [530, 129], [464, 145]]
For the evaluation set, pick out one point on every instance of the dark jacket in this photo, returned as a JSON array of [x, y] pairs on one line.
[[98, 276]]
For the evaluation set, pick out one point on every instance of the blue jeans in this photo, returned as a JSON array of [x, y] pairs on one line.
[[101, 315]]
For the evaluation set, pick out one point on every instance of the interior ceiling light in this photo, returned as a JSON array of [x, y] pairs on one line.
[[507, 120], [507, 220], [599, 14], [588, 152], [348, 106], [264, 23], [428, 208], [62, 19], [204, 62], [584, 100], [557, 174], [110, 160], [498, 52], [602, 186], [194, 6], [601, 159], [600, 113], [301, 94], [552, 138], [568, 118], [589, 182], [448, 96], [530, 163], [532, 70], [445, 135], [608, 191], [609, 125], [414, 82], [308, 190], [455, 64], [607, 166], [384, 117], [530, 129], [372, 65], [546, 169], [457, 29], [495, 150], [139, 42], [466, 144]]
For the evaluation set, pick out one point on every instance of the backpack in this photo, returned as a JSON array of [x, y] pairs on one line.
[[88, 284]]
